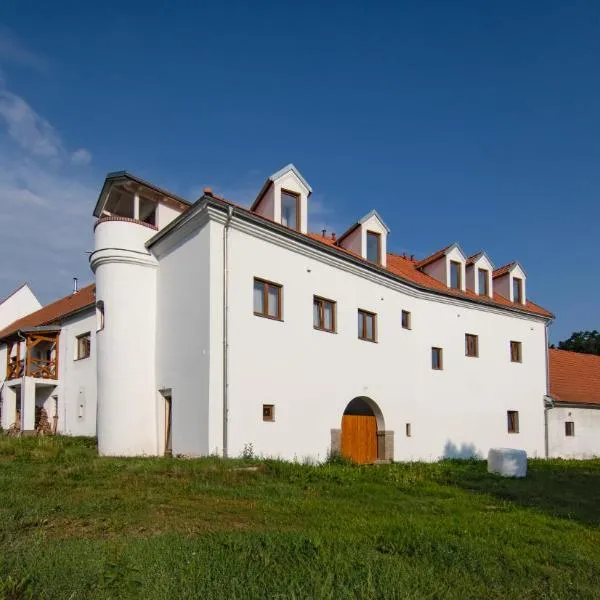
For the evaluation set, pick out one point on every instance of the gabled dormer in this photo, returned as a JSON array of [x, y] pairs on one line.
[[367, 238], [448, 266], [509, 281], [479, 275], [284, 199]]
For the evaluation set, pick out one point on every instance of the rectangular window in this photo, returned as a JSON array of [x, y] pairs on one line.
[[324, 314], [374, 247], [268, 412], [471, 345], [367, 326], [455, 275], [99, 315], [517, 289], [483, 282], [570, 428], [437, 360], [408, 430], [290, 209], [406, 320], [515, 352], [84, 344], [512, 417], [267, 299]]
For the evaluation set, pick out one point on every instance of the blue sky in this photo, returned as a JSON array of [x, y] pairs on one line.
[[475, 122]]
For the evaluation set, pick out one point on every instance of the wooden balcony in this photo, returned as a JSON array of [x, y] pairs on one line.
[[40, 359]]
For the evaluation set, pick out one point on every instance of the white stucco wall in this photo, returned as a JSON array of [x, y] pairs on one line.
[[183, 341], [310, 376], [586, 441], [166, 214], [77, 390], [19, 304]]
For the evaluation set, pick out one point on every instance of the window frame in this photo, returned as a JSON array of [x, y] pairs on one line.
[[459, 272], [362, 335], [569, 428], [269, 418], [439, 352], [298, 198], [486, 290], [518, 283], [78, 339], [408, 323], [377, 235], [474, 338], [265, 314], [321, 301], [512, 421], [514, 344]]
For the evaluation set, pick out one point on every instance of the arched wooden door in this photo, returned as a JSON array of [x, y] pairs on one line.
[[359, 438]]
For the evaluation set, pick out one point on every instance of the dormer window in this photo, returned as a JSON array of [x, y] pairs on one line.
[[483, 276], [517, 290], [290, 209], [374, 247], [455, 275]]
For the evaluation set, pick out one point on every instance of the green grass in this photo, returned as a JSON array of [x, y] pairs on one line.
[[73, 525]]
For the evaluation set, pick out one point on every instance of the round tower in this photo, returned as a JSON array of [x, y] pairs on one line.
[[125, 342]]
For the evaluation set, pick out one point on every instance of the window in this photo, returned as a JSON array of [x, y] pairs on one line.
[[437, 361], [569, 428], [408, 430], [455, 275], [471, 345], [483, 282], [515, 352], [367, 326], [374, 246], [268, 412], [99, 315], [84, 344], [324, 314], [517, 290], [406, 320], [512, 421], [267, 299], [290, 209]]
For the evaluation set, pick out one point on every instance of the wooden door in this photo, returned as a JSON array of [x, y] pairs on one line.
[[359, 438]]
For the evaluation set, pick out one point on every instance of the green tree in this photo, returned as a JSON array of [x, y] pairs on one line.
[[587, 342]]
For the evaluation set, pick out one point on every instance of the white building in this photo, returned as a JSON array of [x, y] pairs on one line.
[[222, 328], [49, 381], [17, 304], [573, 406]]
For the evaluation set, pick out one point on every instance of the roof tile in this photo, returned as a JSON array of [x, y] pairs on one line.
[[574, 377]]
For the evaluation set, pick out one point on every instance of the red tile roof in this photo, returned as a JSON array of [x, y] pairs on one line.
[[52, 313], [574, 377], [408, 269], [433, 257], [503, 270]]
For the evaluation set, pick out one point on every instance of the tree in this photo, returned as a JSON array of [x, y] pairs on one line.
[[587, 342]]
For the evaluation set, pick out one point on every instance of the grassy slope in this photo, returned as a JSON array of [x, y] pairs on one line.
[[73, 525]]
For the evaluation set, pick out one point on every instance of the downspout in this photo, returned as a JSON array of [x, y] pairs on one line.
[[226, 329]]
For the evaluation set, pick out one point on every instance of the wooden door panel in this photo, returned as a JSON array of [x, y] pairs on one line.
[[359, 438]]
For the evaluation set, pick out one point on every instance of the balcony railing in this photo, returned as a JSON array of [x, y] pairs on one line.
[[31, 365]]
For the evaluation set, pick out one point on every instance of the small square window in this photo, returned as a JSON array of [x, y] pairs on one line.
[[516, 354], [84, 344], [437, 361], [512, 421], [471, 345], [268, 412], [408, 430], [406, 320], [569, 428]]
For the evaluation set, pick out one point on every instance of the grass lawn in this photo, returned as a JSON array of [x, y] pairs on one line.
[[73, 525]]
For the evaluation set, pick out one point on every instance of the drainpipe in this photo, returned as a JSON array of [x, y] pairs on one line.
[[225, 329]]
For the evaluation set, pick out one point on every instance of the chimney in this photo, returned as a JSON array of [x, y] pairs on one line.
[[75, 285], [333, 236], [324, 231]]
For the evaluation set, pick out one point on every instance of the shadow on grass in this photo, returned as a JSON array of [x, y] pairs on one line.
[[560, 488]]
